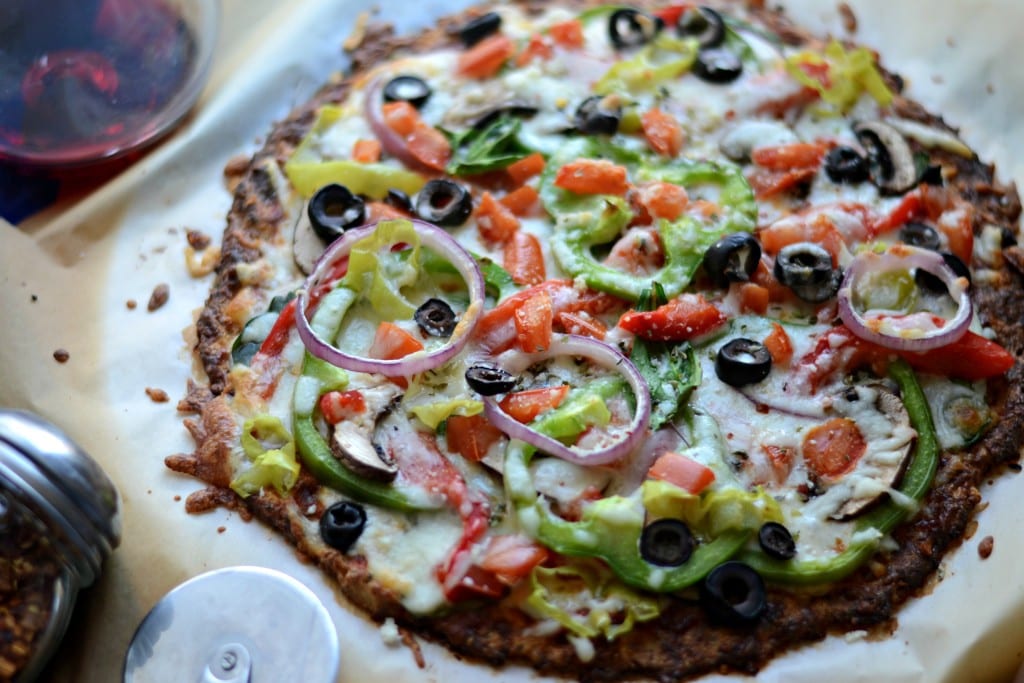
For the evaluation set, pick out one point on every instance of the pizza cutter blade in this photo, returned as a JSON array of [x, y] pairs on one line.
[[235, 625]]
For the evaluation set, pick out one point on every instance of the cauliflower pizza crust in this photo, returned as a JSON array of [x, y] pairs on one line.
[[679, 338]]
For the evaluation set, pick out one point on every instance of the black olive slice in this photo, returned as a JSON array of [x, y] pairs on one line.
[[742, 361], [436, 318], [342, 524], [489, 380], [333, 210], [919, 234], [807, 269], [411, 89], [733, 258], [932, 175], [933, 283], [776, 541], [890, 160], [733, 594], [1007, 238], [718, 65], [702, 23], [511, 108], [846, 165], [598, 115], [629, 27], [443, 202], [479, 28], [667, 543], [399, 200]]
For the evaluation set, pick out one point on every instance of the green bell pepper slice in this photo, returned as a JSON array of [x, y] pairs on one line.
[[875, 524], [609, 529], [317, 378], [583, 222]]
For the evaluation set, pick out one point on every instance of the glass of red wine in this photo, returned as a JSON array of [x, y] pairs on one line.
[[87, 81]]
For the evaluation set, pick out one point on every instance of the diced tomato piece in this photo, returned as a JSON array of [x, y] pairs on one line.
[[682, 471], [430, 147], [525, 406], [959, 231], [277, 339], [663, 200], [391, 342], [471, 436], [818, 229], [511, 558], [538, 46], [777, 292], [593, 176], [523, 258], [790, 156], [833, 448], [337, 406], [484, 59], [380, 211], [779, 345], [496, 329], [754, 298], [366, 151], [521, 201], [670, 15], [426, 143], [567, 33], [781, 460], [639, 252], [526, 168], [400, 117], [768, 183], [910, 207], [581, 323], [663, 132], [683, 318], [533, 320], [494, 220]]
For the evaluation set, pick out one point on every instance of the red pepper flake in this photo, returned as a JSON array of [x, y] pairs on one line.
[[161, 293], [157, 395], [61, 355], [985, 547], [221, 529]]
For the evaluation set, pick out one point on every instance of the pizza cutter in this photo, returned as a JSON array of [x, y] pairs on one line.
[[235, 625]]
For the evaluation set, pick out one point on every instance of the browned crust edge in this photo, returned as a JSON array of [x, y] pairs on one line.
[[493, 634]]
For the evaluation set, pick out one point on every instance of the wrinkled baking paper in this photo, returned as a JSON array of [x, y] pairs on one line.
[[67, 276]]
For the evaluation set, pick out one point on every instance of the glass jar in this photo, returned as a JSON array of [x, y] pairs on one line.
[[59, 520]]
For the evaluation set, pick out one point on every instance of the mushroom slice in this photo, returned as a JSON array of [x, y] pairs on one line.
[[477, 107], [353, 442], [306, 244], [356, 451], [885, 426], [889, 155]]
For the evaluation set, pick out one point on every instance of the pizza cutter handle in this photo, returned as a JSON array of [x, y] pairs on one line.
[[230, 664]]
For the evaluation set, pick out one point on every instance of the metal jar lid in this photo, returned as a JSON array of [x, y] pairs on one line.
[[64, 488], [235, 625]]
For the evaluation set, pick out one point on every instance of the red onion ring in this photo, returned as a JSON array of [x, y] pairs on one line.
[[390, 141], [606, 356], [904, 257], [430, 236]]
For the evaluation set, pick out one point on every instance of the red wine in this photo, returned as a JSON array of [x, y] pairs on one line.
[[83, 79]]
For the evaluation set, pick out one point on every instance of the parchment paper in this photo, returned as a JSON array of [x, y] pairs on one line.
[[65, 278]]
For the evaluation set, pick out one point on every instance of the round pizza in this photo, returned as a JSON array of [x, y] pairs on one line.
[[617, 341]]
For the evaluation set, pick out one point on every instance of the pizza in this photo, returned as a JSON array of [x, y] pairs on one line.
[[617, 341]]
